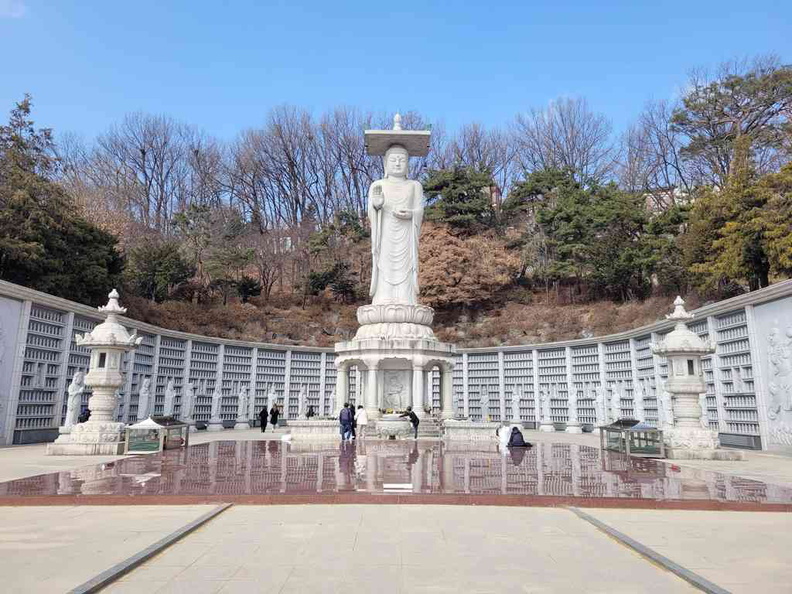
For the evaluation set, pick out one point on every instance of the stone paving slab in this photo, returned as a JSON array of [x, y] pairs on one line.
[[741, 552], [395, 549], [55, 549]]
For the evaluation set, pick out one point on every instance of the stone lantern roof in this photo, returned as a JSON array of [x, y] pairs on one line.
[[681, 340], [110, 333]]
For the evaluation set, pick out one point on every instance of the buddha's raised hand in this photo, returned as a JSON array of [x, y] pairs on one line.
[[377, 197]]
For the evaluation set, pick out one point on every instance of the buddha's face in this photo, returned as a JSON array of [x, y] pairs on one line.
[[396, 162]]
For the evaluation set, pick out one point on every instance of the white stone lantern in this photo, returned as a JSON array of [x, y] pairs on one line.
[[683, 349], [101, 434]]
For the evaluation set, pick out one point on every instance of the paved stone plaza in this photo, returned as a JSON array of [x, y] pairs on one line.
[[324, 548]]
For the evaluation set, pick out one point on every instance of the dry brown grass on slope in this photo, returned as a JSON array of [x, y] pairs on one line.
[[320, 324], [516, 323], [325, 322]]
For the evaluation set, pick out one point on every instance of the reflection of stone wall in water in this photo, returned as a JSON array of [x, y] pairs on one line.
[[396, 395]]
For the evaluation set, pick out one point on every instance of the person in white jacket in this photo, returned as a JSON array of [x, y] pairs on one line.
[[361, 420]]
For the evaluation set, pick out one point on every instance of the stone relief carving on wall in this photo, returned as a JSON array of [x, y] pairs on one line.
[[396, 395], [779, 410]]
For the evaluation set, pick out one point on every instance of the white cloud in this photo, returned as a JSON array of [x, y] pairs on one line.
[[12, 9]]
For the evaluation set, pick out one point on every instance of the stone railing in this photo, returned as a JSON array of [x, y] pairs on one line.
[[749, 378]]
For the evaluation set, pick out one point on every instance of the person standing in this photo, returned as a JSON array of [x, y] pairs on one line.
[[413, 419], [345, 418], [311, 412], [263, 418], [274, 414], [361, 420]]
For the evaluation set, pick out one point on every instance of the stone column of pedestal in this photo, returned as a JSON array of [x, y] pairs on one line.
[[447, 393], [342, 387], [371, 404], [417, 391]]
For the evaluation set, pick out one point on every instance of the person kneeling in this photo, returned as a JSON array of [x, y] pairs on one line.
[[516, 439]]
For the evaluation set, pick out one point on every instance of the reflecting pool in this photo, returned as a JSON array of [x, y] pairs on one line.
[[398, 471]]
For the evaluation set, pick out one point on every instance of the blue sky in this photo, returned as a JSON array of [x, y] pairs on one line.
[[222, 65]]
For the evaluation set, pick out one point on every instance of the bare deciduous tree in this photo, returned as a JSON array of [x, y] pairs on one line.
[[566, 135], [651, 159]]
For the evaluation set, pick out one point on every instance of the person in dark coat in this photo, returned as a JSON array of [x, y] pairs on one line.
[[311, 412], [345, 419], [413, 419], [263, 419], [86, 414], [516, 439], [274, 414]]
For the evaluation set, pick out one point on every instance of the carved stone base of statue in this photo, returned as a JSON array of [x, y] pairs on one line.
[[92, 438], [215, 424], [396, 314], [191, 422], [314, 430], [573, 427], [547, 427], [694, 443], [464, 430], [395, 321], [395, 353], [393, 427]]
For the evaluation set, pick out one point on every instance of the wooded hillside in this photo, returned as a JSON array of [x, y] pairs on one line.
[[550, 227]]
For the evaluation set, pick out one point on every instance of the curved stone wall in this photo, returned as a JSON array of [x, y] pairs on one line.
[[749, 378]]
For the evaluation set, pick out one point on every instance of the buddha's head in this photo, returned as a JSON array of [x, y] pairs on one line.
[[396, 162]]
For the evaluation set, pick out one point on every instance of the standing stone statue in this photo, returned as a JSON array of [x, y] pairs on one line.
[[484, 403], [640, 404], [547, 424], [170, 399], [271, 397], [600, 407], [74, 401], [242, 402], [144, 399], [215, 422], [616, 403], [188, 406], [546, 411], [242, 421], [217, 396], [188, 402], [515, 404], [395, 209], [302, 399], [573, 422]]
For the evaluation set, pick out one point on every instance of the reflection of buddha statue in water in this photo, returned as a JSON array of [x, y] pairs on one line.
[[395, 209]]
